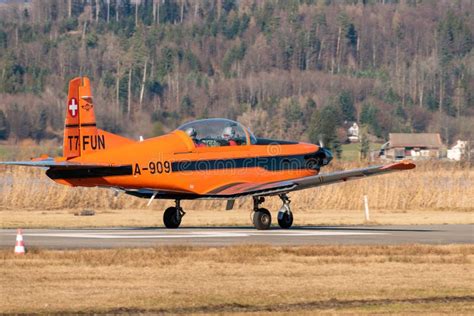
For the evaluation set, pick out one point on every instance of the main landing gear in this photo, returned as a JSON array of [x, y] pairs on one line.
[[262, 219], [173, 215]]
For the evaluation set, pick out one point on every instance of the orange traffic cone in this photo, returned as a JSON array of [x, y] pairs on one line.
[[20, 245]]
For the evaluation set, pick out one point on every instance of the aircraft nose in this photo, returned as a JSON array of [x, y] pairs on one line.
[[328, 156], [319, 158]]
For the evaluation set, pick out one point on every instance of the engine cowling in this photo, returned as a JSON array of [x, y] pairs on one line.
[[318, 159]]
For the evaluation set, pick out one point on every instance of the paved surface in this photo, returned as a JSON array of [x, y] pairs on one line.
[[220, 236]]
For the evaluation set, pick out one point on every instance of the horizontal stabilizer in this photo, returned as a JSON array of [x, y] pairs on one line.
[[50, 162]]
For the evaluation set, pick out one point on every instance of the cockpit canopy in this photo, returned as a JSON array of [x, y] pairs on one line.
[[218, 132]]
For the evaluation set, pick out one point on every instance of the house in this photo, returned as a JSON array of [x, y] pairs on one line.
[[458, 151], [412, 146], [353, 133]]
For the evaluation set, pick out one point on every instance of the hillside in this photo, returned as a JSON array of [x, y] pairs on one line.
[[286, 69]]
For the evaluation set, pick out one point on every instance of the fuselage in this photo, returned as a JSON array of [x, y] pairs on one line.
[[214, 158], [174, 162]]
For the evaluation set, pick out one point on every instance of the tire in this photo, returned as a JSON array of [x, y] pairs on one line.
[[262, 219], [170, 218], [285, 220]]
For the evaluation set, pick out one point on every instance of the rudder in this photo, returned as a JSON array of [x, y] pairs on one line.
[[81, 135], [71, 141]]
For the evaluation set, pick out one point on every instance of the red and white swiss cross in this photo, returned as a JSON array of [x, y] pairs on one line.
[[73, 107]]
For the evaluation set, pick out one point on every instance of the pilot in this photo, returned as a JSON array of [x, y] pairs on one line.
[[229, 134], [191, 132]]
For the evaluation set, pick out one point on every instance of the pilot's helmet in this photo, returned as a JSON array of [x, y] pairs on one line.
[[191, 132], [228, 133]]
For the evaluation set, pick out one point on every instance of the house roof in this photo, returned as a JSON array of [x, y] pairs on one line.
[[415, 140]]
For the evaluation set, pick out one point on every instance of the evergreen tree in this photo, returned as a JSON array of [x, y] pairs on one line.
[[38, 130], [455, 38], [364, 143], [187, 107], [311, 104], [324, 127], [4, 126], [368, 116], [293, 114], [346, 105]]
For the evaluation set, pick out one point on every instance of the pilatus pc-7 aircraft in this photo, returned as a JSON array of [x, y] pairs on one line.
[[203, 159]]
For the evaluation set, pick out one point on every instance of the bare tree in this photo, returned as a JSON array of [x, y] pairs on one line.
[[137, 3], [97, 10], [183, 2], [129, 94], [108, 11], [142, 89], [69, 8], [117, 10], [154, 10]]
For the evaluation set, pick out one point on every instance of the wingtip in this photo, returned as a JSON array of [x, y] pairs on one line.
[[402, 165]]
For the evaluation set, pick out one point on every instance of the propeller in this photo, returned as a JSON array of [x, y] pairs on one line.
[[323, 156], [320, 141]]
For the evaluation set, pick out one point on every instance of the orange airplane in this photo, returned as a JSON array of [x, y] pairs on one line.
[[204, 159]]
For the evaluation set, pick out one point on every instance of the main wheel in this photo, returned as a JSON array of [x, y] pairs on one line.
[[285, 219], [171, 218], [262, 219]]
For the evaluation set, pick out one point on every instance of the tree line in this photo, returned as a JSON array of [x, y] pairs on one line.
[[299, 69]]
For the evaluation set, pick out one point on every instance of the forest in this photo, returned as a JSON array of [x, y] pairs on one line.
[[295, 69]]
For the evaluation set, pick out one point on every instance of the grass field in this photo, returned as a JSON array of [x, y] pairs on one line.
[[431, 186], [246, 279], [433, 193], [27, 149], [351, 152], [260, 279], [153, 218]]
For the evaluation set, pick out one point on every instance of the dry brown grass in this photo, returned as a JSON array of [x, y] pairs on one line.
[[152, 217], [259, 279], [432, 186]]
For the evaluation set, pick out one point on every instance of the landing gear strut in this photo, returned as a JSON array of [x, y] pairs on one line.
[[173, 215], [262, 219], [285, 216]]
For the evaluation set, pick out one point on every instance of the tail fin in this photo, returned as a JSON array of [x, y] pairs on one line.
[[81, 135]]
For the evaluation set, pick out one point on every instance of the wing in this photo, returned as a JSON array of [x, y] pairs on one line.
[[342, 176], [237, 190], [245, 189]]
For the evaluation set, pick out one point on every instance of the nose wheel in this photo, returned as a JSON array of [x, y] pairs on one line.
[[285, 216], [173, 215], [285, 220]]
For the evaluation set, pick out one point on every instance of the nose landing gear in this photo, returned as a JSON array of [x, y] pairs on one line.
[[285, 216]]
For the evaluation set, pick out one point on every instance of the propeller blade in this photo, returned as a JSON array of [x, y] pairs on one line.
[[321, 142]]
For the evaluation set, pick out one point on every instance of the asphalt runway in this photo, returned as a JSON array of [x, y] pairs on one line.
[[222, 236]]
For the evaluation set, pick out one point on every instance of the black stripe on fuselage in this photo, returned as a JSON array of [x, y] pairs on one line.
[[82, 173], [271, 163], [81, 125]]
